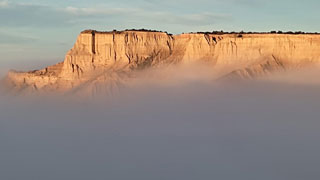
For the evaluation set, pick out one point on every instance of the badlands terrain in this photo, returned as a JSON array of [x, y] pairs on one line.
[[103, 62], [189, 106]]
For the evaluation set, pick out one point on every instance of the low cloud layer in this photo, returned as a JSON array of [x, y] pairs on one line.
[[179, 126]]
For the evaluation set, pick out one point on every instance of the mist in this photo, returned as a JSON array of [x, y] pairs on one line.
[[182, 125], [24, 65]]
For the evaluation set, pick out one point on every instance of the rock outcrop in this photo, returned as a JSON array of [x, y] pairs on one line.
[[111, 56]]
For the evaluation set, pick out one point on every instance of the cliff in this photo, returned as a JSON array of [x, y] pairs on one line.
[[109, 56]]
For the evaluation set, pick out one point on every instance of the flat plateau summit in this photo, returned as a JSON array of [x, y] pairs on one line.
[[111, 57]]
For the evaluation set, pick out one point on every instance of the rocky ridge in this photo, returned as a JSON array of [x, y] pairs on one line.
[[112, 57]]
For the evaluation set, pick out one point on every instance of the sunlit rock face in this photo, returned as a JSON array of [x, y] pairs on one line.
[[114, 57]]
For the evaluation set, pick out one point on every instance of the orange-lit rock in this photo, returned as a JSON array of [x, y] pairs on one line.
[[108, 56]]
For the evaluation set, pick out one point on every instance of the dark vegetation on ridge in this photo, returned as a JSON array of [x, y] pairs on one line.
[[119, 32], [243, 32], [200, 32]]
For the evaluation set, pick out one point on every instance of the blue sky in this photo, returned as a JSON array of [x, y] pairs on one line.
[[43, 30]]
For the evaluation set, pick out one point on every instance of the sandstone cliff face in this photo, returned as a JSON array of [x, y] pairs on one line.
[[96, 54], [123, 49]]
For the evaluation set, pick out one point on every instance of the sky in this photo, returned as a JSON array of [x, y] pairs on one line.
[[43, 30]]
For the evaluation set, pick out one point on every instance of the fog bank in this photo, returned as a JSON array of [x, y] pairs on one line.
[[178, 126]]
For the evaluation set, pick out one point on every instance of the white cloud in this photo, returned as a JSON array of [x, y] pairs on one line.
[[202, 18], [98, 11], [138, 15], [35, 15], [4, 4], [72, 10]]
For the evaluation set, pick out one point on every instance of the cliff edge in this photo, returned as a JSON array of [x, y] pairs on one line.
[[113, 56]]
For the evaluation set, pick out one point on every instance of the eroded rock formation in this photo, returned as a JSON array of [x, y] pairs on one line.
[[112, 56]]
